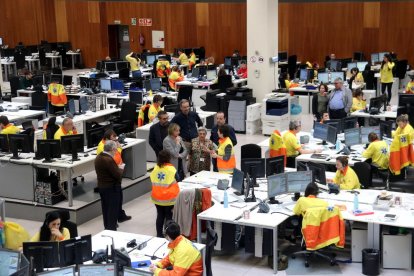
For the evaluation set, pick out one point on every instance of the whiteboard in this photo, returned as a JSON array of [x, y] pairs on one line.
[[158, 40]]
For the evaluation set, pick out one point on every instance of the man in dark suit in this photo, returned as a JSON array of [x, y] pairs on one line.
[[109, 176], [158, 132]]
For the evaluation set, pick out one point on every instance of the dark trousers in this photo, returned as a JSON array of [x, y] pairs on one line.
[[337, 114], [291, 162], [164, 213], [121, 213], [110, 201], [387, 86], [214, 162]]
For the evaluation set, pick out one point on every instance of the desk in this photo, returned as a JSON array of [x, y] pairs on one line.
[[309, 92], [8, 67], [382, 115], [17, 105], [54, 62], [24, 114], [102, 240], [31, 61], [73, 56], [206, 83]]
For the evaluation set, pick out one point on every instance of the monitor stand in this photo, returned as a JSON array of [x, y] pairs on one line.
[[272, 200], [322, 143], [74, 152], [15, 154], [296, 197]]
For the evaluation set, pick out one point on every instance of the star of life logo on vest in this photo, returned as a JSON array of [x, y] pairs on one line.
[[161, 176]]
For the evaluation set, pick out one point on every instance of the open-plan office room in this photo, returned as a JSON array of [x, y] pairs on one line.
[[206, 137]]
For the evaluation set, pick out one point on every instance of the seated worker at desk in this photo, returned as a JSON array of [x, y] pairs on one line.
[[221, 72], [404, 127], [410, 86], [51, 230], [182, 58], [358, 101], [175, 76], [377, 151], [309, 200], [163, 67], [26, 80], [242, 72], [226, 159], [325, 117], [50, 128], [345, 176], [134, 63], [191, 60], [184, 258], [6, 127], [56, 95], [67, 128], [293, 147], [313, 69], [356, 77], [155, 107], [143, 114]]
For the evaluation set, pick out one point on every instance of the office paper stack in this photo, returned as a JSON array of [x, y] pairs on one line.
[[253, 121]]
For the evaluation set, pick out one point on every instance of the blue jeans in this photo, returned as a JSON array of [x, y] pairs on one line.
[[136, 74]]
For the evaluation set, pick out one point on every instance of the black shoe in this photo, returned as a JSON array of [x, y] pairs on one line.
[[120, 220], [96, 190]]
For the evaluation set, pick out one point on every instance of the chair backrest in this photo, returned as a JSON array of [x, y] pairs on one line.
[[185, 92], [212, 103], [292, 65], [225, 82], [401, 68], [67, 80], [56, 71], [363, 171], [282, 83], [14, 85], [250, 151], [124, 73], [51, 130], [39, 100], [128, 111], [369, 78]]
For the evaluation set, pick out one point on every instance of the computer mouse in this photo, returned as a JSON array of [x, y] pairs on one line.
[[86, 155]]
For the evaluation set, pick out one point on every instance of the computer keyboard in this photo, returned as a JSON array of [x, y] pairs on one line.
[[26, 155], [319, 156]]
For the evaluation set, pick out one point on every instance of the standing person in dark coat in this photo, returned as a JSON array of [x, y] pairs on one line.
[[158, 132]]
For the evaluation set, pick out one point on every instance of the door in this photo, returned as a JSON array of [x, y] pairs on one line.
[[118, 39]]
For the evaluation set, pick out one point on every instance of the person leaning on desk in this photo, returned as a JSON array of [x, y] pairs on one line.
[[293, 147], [67, 128], [6, 127], [345, 176]]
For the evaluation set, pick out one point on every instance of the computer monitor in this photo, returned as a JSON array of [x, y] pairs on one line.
[[332, 134], [282, 56], [349, 123], [365, 131], [195, 73], [237, 181], [66, 271], [19, 143], [318, 172], [351, 65], [323, 77], [172, 108], [9, 261], [94, 136], [83, 104], [98, 269], [4, 143], [335, 75], [386, 129], [150, 59], [227, 62], [202, 70], [42, 254], [48, 149], [255, 167], [336, 123], [121, 260], [276, 185], [320, 131], [136, 97], [352, 137], [375, 104], [110, 66], [358, 56], [298, 181], [136, 272], [75, 251], [375, 58], [105, 85], [381, 56], [303, 75], [333, 65], [122, 65], [155, 84], [211, 74], [361, 65], [117, 85], [72, 144], [275, 165]]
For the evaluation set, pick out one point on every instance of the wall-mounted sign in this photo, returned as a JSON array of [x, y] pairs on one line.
[[146, 22], [158, 39], [117, 22], [133, 21], [261, 59], [252, 59]]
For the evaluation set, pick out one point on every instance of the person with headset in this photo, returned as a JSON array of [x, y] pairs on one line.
[[293, 147], [377, 151], [51, 230], [345, 176]]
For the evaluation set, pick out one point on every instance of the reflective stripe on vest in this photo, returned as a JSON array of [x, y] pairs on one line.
[[229, 165]]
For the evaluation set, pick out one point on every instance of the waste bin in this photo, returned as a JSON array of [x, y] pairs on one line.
[[370, 261]]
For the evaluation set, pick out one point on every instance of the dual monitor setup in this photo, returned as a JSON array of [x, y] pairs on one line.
[[109, 85], [378, 57], [360, 65], [201, 71]]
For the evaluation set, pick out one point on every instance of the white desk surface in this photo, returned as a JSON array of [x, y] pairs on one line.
[[382, 115], [88, 116], [23, 114], [18, 105]]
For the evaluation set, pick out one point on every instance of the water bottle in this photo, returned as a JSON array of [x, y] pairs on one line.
[[337, 145], [226, 199], [356, 201]]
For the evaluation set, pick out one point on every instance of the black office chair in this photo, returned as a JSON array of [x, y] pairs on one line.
[[101, 75], [369, 79], [124, 74], [250, 151], [14, 85], [211, 242], [363, 171], [185, 92], [67, 80], [57, 71], [39, 99], [212, 103], [126, 120], [282, 83], [401, 68], [37, 80], [292, 68], [225, 82]]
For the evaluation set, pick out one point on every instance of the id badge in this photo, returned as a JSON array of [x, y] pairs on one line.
[[201, 159]]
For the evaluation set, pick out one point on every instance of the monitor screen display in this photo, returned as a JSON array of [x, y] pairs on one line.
[[361, 65], [105, 84], [386, 129], [335, 75], [282, 56], [352, 137], [150, 59], [155, 84], [334, 65], [336, 123], [237, 180], [298, 181], [117, 85], [66, 271], [365, 131], [255, 167], [211, 74], [277, 185], [375, 58], [323, 77], [227, 61], [110, 66], [351, 65], [9, 262], [98, 269], [136, 97], [275, 165], [381, 56], [349, 122], [318, 172], [303, 76], [320, 131], [195, 73]]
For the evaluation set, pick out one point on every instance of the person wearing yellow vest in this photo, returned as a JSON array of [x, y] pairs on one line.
[[175, 76], [377, 151], [293, 147], [404, 127], [345, 176], [309, 200], [386, 75], [134, 63], [56, 95], [141, 114], [183, 257], [50, 128], [226, 160], [6, 127], [110, 134], [163, 67], [51, 230], [67, 128], [410, 86], [155, 107], [164, 189], [192, 60], [182, 58], [358, 101], [276, 145]]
